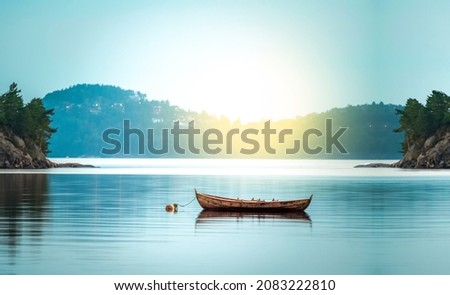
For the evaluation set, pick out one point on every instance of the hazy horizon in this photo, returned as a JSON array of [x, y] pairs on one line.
[[249, 60]]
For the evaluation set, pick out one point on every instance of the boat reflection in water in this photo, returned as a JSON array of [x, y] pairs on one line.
[[210, 216]]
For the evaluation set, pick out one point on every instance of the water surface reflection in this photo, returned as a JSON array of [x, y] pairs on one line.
[[23, 210], [206, 216], [116, 224]]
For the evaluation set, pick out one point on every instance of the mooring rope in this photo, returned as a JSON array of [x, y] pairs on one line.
[[188, 203]]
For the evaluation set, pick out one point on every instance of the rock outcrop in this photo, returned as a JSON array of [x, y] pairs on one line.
[[17, 153], [431, 153], [434, 153]]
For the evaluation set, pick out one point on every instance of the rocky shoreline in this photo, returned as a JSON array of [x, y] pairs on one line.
[[431, 153], [375, 165], [17, 153]]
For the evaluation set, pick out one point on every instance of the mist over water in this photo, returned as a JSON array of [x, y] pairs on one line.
[[111, 220]]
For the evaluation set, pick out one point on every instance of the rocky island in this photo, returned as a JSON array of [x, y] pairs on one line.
[[426, 143], [24, 133]]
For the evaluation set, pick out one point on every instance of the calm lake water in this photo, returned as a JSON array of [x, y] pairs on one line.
[[111, 220]]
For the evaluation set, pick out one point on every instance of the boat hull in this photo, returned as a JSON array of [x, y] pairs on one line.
[[212, 202]]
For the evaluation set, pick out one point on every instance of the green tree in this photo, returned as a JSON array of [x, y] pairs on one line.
[[38, 123], [438, 104], [419, 121], [12, 104], [31, 122], [414, 122], [24, 126]]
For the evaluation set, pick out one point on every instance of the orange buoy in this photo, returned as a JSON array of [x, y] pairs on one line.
[[172, 207]]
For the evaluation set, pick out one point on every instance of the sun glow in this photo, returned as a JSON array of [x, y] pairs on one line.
[[240, 71], [244, 86]]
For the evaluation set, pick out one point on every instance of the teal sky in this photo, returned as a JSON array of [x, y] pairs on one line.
[[247, 59]]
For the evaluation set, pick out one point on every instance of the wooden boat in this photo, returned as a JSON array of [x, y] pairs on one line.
[[212, 202]]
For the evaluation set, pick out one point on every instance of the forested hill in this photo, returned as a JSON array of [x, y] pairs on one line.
[[83, 113]]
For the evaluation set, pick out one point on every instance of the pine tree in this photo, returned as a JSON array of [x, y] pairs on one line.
[[411, 119], [31, 122], [39, 123], [419, 121], [438, 104], [12, 104]]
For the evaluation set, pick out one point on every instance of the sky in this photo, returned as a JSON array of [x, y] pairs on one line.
[[243, 59]]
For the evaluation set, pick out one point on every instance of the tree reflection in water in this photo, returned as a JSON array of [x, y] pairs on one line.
[[23, 210]]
